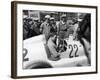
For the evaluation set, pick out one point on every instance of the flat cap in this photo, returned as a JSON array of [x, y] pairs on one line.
[[47, 16]]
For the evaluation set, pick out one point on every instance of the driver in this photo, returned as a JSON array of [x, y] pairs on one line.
[[54, 55]]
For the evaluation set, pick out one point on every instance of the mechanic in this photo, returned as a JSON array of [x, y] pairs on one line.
[[25, 29], [62, 28], [36, 27], [76, 28], [73, 26], [28, 23], [45, 27], [53, 26]]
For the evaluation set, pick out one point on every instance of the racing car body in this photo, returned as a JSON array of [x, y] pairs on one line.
[[34, 52]]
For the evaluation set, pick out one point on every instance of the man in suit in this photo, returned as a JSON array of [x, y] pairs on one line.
[[45, 27]]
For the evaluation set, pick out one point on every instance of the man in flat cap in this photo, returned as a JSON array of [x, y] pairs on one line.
[[36, 27], [45, 27], [53, 26], [62, 28]]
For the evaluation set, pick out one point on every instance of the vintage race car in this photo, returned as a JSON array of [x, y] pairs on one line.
[[35, 54]]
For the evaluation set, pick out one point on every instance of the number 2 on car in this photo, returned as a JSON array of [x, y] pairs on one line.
[[25, 52]]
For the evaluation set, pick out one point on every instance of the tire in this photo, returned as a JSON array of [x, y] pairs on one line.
[[39, 65]]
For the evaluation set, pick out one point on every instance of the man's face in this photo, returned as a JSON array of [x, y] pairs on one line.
[[64, 19], [30, 22], [47, 20], [53, 37], [36, 21], [51, 21]]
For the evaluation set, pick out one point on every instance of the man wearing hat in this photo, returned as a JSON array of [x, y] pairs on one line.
[[62, 28], [45, 27], [53, 26], [36, 27], [51, 43]]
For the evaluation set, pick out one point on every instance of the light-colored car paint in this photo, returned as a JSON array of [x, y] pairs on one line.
[[36, 52]]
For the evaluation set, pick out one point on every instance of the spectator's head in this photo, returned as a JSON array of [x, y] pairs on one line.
[[63, 18], [52, 20], [24, 20], [53, 37], [47, 18], [36, 19], [75, 20], [30, 21]]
